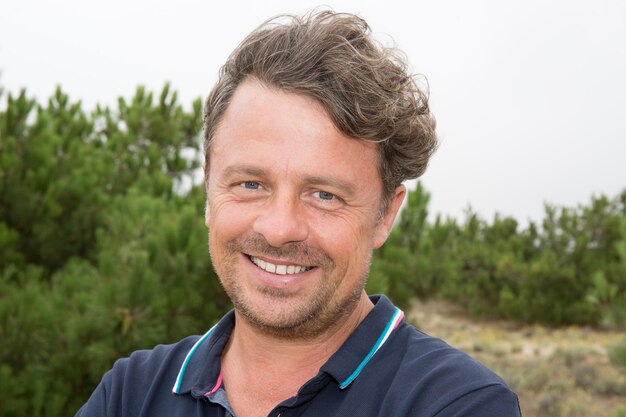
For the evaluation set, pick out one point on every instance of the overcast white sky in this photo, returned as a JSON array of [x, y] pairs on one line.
[[530, 96]]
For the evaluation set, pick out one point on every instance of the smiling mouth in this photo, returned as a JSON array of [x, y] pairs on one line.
[[279, 268]]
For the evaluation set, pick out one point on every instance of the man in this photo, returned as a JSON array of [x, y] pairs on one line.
[[309, 134]]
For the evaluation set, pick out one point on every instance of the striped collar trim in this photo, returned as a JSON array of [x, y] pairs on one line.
[[344, 366], [183, 368], [392, 324]]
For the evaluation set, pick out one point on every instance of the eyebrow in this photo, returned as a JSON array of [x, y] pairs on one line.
[[244, 169], [337, 183]]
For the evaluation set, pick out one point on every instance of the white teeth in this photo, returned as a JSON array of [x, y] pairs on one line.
[[278, 269]]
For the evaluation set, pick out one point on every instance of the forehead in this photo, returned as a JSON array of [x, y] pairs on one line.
[[289, 134], [271, 112]]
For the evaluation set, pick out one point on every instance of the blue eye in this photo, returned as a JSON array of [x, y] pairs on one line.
[[251, 185], [323, 195]]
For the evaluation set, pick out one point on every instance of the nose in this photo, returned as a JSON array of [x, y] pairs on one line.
[[282, 221]]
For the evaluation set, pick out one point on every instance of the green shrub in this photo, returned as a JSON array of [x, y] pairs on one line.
[[617, 354]]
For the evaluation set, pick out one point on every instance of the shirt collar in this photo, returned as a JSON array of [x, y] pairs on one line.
[[346, 364], [200, 371]]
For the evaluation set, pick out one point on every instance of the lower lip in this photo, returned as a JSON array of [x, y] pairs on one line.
[[276, 280]]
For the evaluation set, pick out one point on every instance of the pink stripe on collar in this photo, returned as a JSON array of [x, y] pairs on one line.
[[217, 386], [398, 319]]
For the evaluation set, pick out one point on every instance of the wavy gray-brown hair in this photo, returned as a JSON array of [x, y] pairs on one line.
[[364, 86]]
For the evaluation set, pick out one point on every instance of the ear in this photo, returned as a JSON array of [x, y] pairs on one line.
[[383, 228]]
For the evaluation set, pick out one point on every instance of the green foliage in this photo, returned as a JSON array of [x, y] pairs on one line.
[[101, 253], [571, 270], [617, 354], [621, 412]]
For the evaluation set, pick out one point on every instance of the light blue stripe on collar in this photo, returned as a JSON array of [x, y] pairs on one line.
[[381, 339], [183, 368]]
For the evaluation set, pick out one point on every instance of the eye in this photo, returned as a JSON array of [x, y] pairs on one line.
[[323, 195], [251, 185]]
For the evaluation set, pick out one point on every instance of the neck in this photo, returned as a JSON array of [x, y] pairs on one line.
[[290, 361]]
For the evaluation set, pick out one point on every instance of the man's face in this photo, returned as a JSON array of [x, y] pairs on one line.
[[292, 212]]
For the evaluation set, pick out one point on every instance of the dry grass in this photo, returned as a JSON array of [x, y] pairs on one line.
[[556, 372]]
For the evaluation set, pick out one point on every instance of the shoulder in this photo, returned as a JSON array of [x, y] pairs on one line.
[[131, 380], [424, 372], [422, 353], [161, 361]]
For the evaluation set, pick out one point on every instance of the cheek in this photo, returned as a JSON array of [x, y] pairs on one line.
[[343, 240], [227, 222]]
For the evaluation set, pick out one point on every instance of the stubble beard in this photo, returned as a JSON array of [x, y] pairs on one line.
[[305, 319]]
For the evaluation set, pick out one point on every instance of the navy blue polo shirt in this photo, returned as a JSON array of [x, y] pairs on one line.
[[385, 368]]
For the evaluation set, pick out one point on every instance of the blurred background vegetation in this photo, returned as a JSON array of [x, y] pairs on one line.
[[103, 250]]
